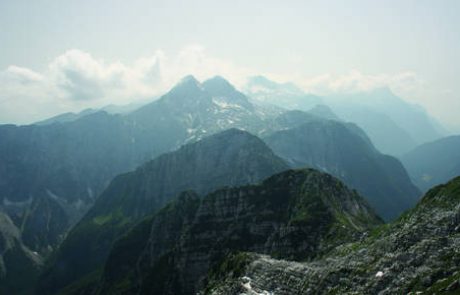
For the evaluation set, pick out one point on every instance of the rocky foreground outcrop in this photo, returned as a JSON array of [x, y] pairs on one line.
[[297, 214], [420, 252]]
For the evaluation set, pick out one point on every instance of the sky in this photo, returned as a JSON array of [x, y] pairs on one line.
[[58, 56]]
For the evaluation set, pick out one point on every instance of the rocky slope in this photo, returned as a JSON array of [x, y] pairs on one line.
[[344, 151], [433, 163], [417, 254], [230, 158], [19, 266], [295, 214]]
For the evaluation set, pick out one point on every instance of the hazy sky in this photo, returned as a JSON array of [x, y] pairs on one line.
[[66, 55]]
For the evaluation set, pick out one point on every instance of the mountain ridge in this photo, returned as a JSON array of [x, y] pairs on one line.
[[345, 152], [279, 216], [232, 157], [418, 253]]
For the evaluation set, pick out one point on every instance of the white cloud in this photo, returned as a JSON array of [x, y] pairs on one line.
[[355, 81], [22, 75]]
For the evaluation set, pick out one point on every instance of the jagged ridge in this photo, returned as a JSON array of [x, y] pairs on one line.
[[417, 253], [298, 214]]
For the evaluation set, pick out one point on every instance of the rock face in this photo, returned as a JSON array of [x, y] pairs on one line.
[[19, 267], [230, 158], [433, 163], [344, 151], [297, 214], [417, 253]]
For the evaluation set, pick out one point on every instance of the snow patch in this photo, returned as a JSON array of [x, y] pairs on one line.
[[224, 104], [249, 290]]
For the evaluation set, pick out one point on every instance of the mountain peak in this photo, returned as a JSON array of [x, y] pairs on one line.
[[262, 80], [232, 135], [187, 88], [323, 111], [383, 91], [218, 85], [188, 80]]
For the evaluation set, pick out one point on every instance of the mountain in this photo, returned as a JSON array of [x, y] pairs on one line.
[[19, 266], [65, 163], [229, 158], [111, 109], [192, 110], [345, 152], [433, 163], [295, 214], [408, 118], [66, 117], [58, 170], [387, 136], [417, 254], [284, 95], [323, 111]]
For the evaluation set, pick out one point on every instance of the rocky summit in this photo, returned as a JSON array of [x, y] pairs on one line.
[[417, 254]]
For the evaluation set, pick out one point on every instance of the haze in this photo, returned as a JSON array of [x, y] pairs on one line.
[[67, 56]]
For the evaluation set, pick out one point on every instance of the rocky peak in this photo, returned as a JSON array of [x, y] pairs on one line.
[[225, 95], [324, 112], [294, 214], [188, 89], [416, 254], [188, 80], [218, 86]]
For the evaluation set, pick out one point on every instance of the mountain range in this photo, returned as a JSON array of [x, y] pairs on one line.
[[295, 214], [87, 199], [394, 126]]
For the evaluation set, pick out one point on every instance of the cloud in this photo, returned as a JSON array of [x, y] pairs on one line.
[[77, 80], [22, 75], [355, 81]]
